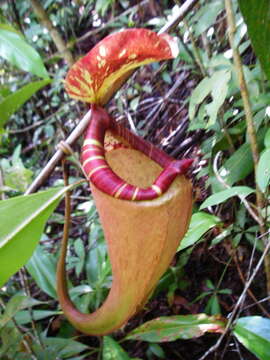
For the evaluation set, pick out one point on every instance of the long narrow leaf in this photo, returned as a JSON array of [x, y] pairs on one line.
[[22, 220], [221, 196], [15, 49], [257, 17], [263, 172], [13, 102], [170, 328], [199, 224], [254, 333]]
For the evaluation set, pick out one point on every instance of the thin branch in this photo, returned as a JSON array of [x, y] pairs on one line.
[[250, 126], [111, 22], [196, 51], [2, 194], [183, 10], [238, 304], [48, 169], [78, 131], [56, 36]]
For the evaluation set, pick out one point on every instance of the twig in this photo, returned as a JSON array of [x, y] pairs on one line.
[[48, 169], [56, 36], [267, 298], [2, 194], [78, 131], [242, 277], [197, 55], [238, 304], [46, 120], [155, 112], [183, 10], [111, 22], [250, 127], [25, 286]]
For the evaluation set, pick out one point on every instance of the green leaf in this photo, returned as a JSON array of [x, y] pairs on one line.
[[15, 304], [14, 49], [156, 350], [42, 268], [24, 317], [257, 17], [267, 139], [63, 347], [170, 328], [198, 95], [206, 16], [263, 171], [219, 91], [112, 350], [10, 28], [22, 220], [254, 333], [241, 191], [13, 102], [212, 306], [217, 86], [238, 166], [199, 224]]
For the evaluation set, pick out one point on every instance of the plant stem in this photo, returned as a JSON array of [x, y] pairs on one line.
[[48, 169], [183, 10], [56, 36], [250, 129], [197, 55]]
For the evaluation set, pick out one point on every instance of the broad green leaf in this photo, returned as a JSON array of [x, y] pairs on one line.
[[10, 28], [199, 224], [112, 350], [217, 86], [24, 317], [219, 91], [238, 166], [267, 139], [212, 307], [198, 95], [14, 49], [254, 333], [241, 191], [263, 171], [13, 102], [257, 17], [22, 220], [170, 328], [64, 348], [42, 267]]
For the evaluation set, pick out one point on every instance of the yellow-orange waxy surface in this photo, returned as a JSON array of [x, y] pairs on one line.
[[142, 239]]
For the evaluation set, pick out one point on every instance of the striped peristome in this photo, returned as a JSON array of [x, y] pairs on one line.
[[102, 176]]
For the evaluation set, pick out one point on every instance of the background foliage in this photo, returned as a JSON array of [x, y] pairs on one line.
[[190, 107]]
